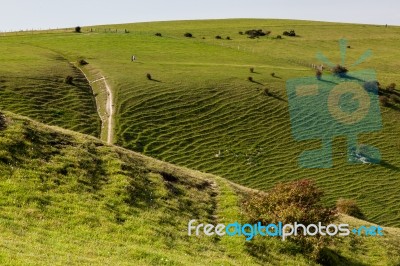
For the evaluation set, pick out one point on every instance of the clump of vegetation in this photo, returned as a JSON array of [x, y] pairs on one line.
[[126, 31], [250, 79], [158, 34], [318, 74], [391, 87], [241, 32], [69, 80], [148, 76], [3, 121], [228, 38], [218, 37], [278, 37], [83, 62], [266, 92], [251, 69], [256, 33], [384, 100], [339, 70], [290, 33], [349, 207], [78, 29], [297, 201], [188, 35], [395, 98]]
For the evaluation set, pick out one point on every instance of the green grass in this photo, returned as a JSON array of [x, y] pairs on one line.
[[204, 104], [69, 199], [32, 84]]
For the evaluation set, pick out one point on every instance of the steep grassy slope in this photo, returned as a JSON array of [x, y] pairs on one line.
[[69, 199], [201, 112], [32, 84]]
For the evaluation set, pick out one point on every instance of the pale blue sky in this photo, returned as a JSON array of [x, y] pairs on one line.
[[44, 14]]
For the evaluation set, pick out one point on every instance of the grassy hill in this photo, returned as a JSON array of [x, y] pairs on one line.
[[69, 199], [200, 111], [32, 82]]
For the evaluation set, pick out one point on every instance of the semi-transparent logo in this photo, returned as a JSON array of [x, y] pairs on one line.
[[331, 105]]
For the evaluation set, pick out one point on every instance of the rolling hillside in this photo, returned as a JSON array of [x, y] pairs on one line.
[[69, 199], [200, 111]]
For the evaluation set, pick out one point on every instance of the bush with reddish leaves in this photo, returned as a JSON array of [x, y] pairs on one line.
[[297, 201]]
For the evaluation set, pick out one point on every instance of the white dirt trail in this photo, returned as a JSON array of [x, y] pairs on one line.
[[109, 109]]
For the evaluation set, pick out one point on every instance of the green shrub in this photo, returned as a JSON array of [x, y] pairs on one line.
[[291, 33], [256, 33], [83, 62], [391, 87], [296, 201], [318, 74], [339, 70], [384, 100], [69, 80], [3, 121], [395, 98], [349, 207]]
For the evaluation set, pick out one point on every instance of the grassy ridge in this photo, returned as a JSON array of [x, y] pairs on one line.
[[32, 84], [67, 198], [203, 104]]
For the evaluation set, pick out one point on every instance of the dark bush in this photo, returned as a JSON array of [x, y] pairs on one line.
[[384, 100], [188, 35], [391, 87], [395, 98], [69, 80], [318, 74], [78, 29], [250, 79], [339, 70], [349, 207], [256, 33], [241, 32], [297, 201], [228, 38], [3, 121], [251, 69], [148, 75], [278, 36], [218, 37], [291, 33], [158, 34], [83, 62]]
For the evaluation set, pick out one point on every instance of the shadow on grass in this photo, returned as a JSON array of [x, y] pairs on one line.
[[276, 97], [389, 166]]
